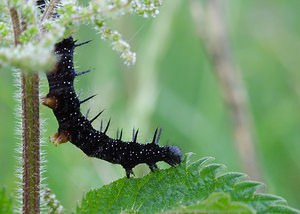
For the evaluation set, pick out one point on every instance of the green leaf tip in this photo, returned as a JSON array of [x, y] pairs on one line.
[[188, 188], [196, 164]]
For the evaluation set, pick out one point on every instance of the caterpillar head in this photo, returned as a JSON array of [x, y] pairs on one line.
[[173, 155]]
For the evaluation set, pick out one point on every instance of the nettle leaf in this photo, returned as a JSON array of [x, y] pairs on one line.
[[5, 203], [200, 186]]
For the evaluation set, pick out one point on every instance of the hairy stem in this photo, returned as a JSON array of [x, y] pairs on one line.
[[31, 142], [16, 24], [30, 131]]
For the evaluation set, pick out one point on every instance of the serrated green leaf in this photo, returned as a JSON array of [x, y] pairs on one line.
[[185, 185]]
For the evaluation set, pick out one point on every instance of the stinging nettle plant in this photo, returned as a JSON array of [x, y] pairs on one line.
[[29, 31]]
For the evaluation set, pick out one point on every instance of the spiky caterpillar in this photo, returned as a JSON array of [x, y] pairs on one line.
[[76, 128]]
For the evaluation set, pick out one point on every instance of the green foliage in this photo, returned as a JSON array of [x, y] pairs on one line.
[[5, 203], [197, 186], [37, 39]]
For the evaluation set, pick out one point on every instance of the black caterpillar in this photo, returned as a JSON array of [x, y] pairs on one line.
[[77, 129]]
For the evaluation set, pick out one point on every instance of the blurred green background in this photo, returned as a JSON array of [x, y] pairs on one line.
[[173, 86]]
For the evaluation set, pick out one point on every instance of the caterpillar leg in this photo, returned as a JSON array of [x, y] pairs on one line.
[[50, 102], [128, 172], [60, 137], [153, 167]]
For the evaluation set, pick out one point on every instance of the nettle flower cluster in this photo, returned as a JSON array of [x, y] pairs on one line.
[[44, 25]]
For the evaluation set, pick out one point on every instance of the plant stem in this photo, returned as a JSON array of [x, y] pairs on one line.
[[31, 142], [16, 24], [30, 131], [230, 79]]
